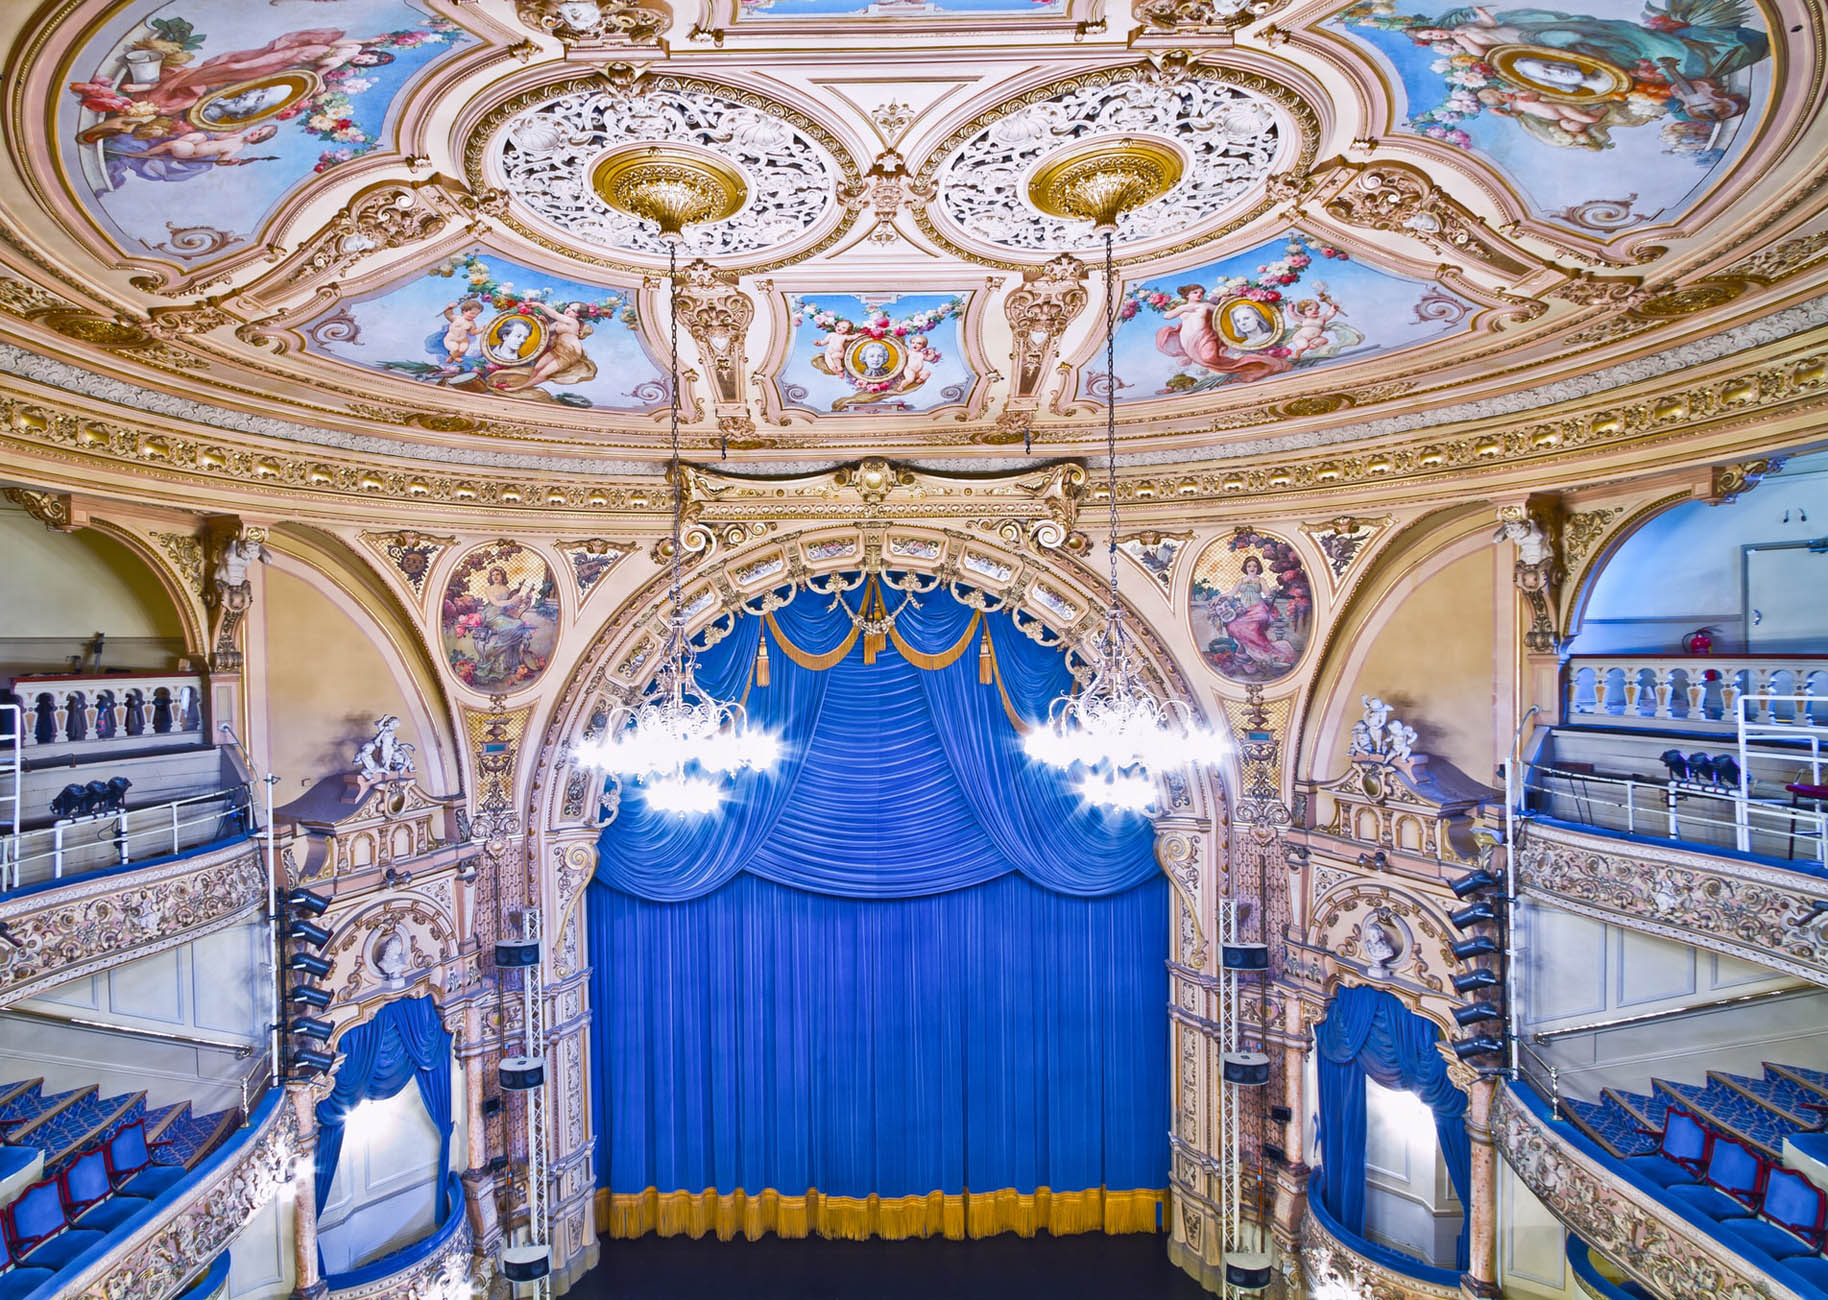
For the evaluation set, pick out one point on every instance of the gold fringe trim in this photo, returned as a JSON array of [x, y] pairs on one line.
[[852, 1218], [996, 673], [815, 663], [945, 658]]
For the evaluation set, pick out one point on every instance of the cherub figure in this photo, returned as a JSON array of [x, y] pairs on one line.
[[919, 367], [1311, 317], [461, 335], [843, 333]]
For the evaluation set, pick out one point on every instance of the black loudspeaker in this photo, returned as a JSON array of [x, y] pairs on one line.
[[1280, 1114], [311, 1027], [1468, 1016], [1479, 913], [310, 963], [1248, 1270], [307, 1061], [525, 1263], [520, 1073], [1247, 1069], [305, 932], [303, 900], [1473, 881], [309, 995], [1245, 956], [1483, 1045], [517, 953]]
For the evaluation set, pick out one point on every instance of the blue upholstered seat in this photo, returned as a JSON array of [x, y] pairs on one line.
[[1813, 1270], [130, 1164], [17, 1282], [1680, 1153], [1790, 1217], [1734, 1179], [39, 1234]]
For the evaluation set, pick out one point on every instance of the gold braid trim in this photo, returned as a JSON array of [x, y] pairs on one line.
[[856, 1218], [996, 673]]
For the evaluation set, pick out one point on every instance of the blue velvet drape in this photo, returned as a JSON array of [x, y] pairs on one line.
[[404, 1041], [1369, 1034], [908, 960]]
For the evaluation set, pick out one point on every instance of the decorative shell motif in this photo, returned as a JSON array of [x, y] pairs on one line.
[[1229, 137], [546, 154]]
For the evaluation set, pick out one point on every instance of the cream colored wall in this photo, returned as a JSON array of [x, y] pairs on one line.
[[59, 589], [326, 683], [1432, 659]]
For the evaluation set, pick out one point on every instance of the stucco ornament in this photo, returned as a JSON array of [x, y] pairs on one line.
[[384, 755], [1229, 137], [1378, 735], [545, 155], [1537, 572]]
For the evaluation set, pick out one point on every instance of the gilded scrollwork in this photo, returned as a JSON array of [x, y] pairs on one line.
[[1398, 197]]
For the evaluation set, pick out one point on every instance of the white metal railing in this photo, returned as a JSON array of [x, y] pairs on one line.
[[1699, 693], [1763, 717], [86, 713], [1676, 810], [12, 771], [78, 844]]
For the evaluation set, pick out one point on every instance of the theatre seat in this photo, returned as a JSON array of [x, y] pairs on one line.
[[1731, 1186], [17, 1282], [38, 1231], [1680, 1153], [1789, 1221]]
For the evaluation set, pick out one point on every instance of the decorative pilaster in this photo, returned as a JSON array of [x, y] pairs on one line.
[[308, 1282], [1481, 1278], [1049, 299]]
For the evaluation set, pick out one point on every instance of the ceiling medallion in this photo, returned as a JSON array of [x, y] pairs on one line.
[[562, 152], [1229, 130], [1103, 179], [669, 186], [86, 327]]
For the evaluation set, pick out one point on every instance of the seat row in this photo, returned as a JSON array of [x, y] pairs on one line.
[[55, 1222], [1768, 1213]]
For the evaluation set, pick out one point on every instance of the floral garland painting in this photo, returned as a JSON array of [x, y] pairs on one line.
[[233, 106], [1262, 314], [500, 617], [1252, 607], [852, 352], [478, 324], [1664, 90]]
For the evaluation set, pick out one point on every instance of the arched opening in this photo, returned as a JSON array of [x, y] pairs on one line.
[[907, 985]]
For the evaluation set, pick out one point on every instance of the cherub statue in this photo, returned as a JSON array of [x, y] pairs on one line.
[[1532, 542], [237, 555], [1402, 740], [1368, 731], [384, 754]]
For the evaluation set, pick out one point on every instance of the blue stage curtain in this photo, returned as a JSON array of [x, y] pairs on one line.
[[896, 782], [1369, 1034], [765, 1039], [404, 1040], [908, 963]]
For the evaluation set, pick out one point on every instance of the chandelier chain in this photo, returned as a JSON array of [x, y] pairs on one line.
[[1110, 414], [672, 290]]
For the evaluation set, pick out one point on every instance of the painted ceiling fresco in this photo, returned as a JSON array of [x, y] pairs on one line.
[[1292, 304], [186, 123], [877, 353], [1606, 113], [476, 323], [362, 212]]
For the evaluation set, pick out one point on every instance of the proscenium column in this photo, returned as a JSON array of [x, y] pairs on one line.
[[1481, 1277]]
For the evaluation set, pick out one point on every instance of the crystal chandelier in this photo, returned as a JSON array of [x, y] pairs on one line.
[[679, 742], [1115, 732]]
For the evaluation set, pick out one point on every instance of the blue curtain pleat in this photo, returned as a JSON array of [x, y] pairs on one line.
[[1001, 1036], [1369, 1034], [403, 1041]]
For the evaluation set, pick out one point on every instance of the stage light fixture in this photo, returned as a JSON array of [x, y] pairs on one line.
[[305, 932], [1480, 945], [307, 1061], [304, 900], [311, 1027], [1481, 977], [1474, 1012], [1473, 881], [525, 1263], [310, 963], [310, 995], [1483, 912], [1483, 1045]]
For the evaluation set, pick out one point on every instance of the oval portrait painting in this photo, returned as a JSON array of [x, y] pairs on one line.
[[500, 617], [1252, 607]]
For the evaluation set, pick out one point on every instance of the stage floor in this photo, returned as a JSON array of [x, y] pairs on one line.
[[1007, 1267]]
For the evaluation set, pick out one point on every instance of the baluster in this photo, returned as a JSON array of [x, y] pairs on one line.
[[1697, 693], [1633, 688], [65, 722], [1664, 683], [1730, 693], [89, 715], [1602, 679]]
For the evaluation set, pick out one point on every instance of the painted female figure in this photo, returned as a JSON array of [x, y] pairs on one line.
[[1248, 616], [564, 360], [504, 636], [1193, 337]]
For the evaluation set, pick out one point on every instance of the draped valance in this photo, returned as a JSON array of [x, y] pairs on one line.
[[902, 774]]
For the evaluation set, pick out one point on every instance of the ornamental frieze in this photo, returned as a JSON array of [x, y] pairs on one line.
[[1329, 1267], [1656, 1246], [1764, 915], [61, 934]]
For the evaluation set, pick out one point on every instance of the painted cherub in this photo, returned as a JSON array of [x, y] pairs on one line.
[[919, 367], [215, 147], [463, 331], [843, 333], [1572, 118], [1311, 317]]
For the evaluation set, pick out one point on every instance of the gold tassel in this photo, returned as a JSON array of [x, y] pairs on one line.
[[873, 608], [761, 662], [985, 664]]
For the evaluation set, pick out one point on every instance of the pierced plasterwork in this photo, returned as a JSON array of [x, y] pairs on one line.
[[1230, 138], [545, 155]]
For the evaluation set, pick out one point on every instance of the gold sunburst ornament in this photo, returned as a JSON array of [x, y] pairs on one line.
[[680, 742], [1100, 181], [1115, 733], [671, 186]]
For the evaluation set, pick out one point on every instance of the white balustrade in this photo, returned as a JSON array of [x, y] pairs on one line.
[[82, 714], [1696, 692]]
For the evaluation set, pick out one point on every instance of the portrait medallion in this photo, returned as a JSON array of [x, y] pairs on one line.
[[1249, 324], [1565, 75], [875, 361], [514, 338], [249, 102]]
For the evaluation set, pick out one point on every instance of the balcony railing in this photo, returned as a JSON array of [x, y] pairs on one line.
[[1695, 693], [108, 712], [75, 845]]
